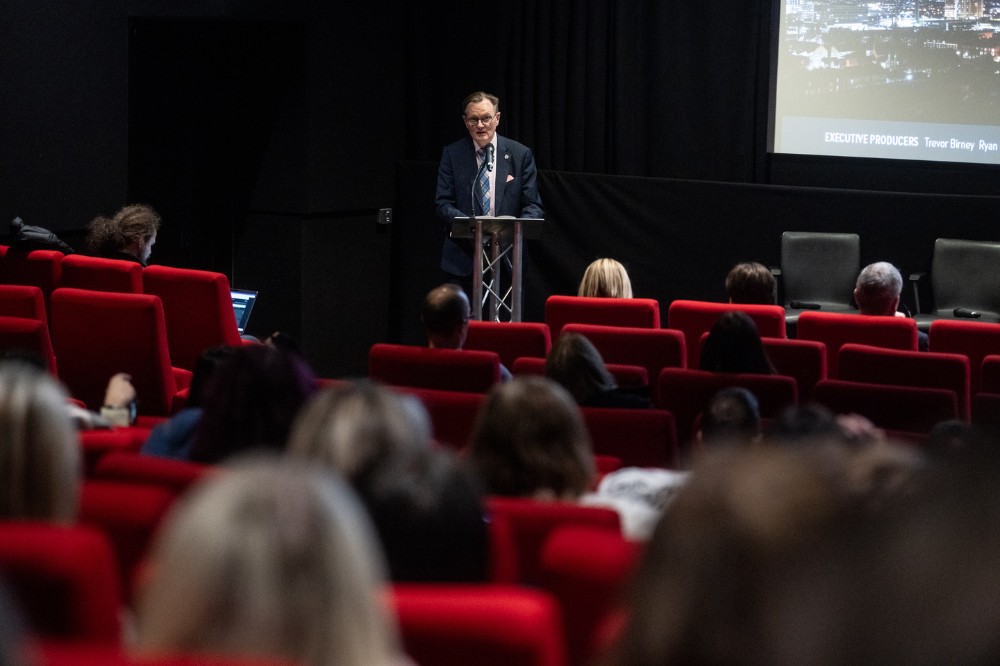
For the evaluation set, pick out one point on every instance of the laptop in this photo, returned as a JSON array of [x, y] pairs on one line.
[[243, 301]]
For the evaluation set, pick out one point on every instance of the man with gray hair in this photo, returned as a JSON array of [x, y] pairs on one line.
[[877, 294]]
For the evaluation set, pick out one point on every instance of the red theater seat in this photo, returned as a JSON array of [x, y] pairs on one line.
[[453, 413], [907, 410], [174, 475], [443, 369], [510, 340], [519, 528], [486, 625], [633, 312], [693, 318], [629, 376], [974, 339], [639, 437], [686, 392], [805, 360], [82, 272], [587, 571], [197, 310], [651, 348], [28, 335], [21, 300], [64, 579], [875, 365], [40, 268], [835, 330], [97, 334]]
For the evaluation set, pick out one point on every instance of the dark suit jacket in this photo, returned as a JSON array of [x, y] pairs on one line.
[[516, 192]]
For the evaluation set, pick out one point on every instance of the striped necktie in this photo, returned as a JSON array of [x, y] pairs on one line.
[[484, 184]]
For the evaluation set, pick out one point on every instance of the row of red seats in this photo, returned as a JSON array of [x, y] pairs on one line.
[[71, 581], [197, 305]]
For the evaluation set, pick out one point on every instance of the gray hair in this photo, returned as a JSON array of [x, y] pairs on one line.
[[878, 287]]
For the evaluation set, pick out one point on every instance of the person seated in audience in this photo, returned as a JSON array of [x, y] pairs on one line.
[[250, 402], [40, 463], [129, 235], [174, 438], [955, 437], [809, 424], [733, 345], [529, 440], [445, 316], [429, 512], [605, 278], [877, 293], [576, 364], [269, 560], [731, 418], [751, 283], [427, 508], [711, 583]]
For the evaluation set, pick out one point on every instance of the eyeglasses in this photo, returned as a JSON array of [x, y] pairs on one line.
[[472, 121]]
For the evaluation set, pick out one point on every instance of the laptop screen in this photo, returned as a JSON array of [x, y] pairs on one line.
[[242, 306]]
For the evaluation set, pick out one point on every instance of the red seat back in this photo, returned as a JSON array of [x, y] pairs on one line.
[[835, 330], [875, 365], [693, 318], [198, 310], [520, 527], [651, 348], [64, 580], [39, 268], [453, 413], [686, 392], [129, 514], [21, 300], [174, 475], [639, 437], [974, 339], [444, 369], [29, 335], [905, 409], [82, 272], [97, 334], [634, 312], [510, 340], [487, 625], [634, 376], [587, 571], [805, 360]]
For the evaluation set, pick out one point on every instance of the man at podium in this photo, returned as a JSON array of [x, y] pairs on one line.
[[485, 174]]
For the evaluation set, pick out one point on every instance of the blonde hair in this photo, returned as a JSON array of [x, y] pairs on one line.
[[39, 453], [269, 559], [351, 429], [605, 278]]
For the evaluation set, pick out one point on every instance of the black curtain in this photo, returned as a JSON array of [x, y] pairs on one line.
[[630, 87]]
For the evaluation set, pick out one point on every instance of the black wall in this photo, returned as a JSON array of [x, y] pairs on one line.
[[268, 134]]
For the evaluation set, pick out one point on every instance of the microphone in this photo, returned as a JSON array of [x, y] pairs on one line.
[[966, 313], [489, 156], [804, 305]]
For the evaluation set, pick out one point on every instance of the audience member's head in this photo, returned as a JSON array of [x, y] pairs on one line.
[[268, 560], [250, 402], [130, 234], [751, 283], [810, 423], [699, 593], [878, 289], [605, 278], [429, 514], [732, 417], [205, 366], [955, 437], [733, 345], [446, 316], [530, 441], [357, 427], [39, 452], [577, 366]]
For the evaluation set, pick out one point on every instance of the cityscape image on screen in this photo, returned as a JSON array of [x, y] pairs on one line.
[[898, 79]]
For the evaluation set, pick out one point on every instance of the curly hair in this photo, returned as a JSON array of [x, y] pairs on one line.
[[108, 235]]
